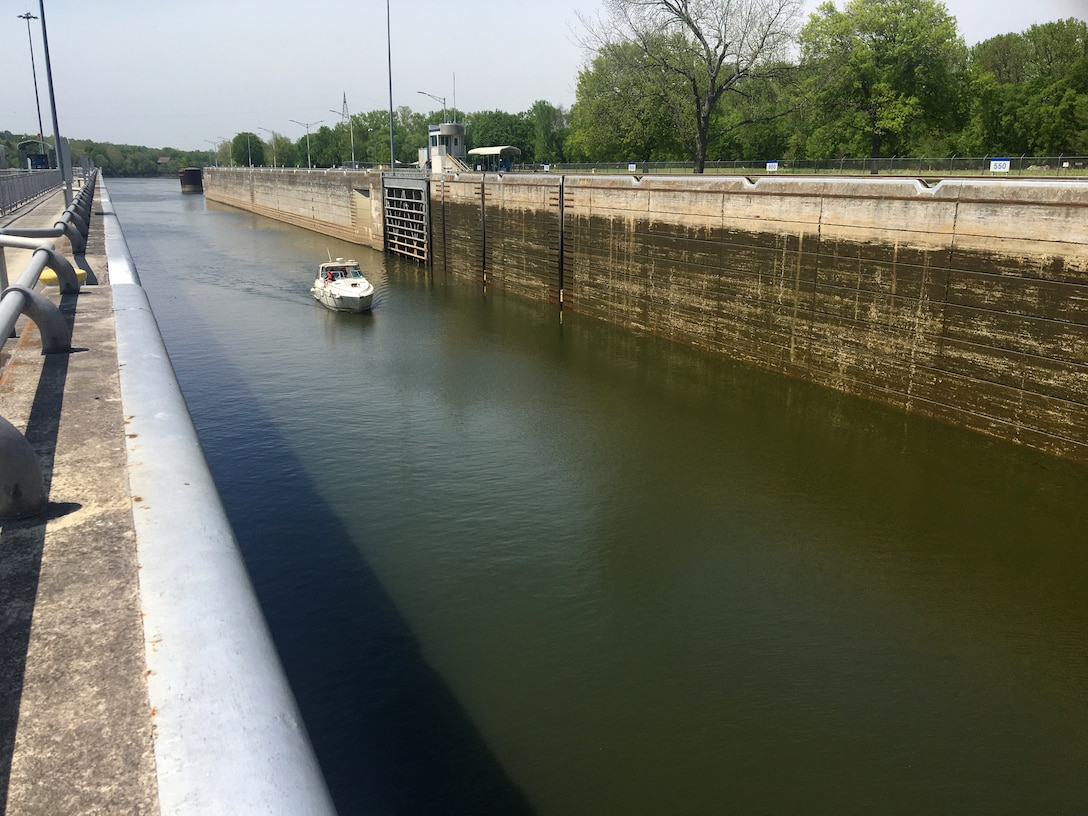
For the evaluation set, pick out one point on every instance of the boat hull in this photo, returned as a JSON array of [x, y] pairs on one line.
[[340, 286], [339, 301]]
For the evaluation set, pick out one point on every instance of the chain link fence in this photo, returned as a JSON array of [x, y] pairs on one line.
[[924, 167]]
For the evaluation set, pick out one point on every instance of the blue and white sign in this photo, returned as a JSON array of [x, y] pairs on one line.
[[772, 167], [1000, 165], [632, 167]]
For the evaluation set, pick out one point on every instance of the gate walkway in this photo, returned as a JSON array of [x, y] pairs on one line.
[[75, 721]]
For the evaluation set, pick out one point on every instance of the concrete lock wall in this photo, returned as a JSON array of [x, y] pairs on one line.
[[964, 300], [345, 204]]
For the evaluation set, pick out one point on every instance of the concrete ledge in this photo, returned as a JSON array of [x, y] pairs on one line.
[[228, 736]]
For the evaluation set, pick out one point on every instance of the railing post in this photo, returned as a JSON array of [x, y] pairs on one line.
[[22, 489]]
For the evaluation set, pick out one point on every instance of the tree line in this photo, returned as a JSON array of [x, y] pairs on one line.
[[540, 133], [679, 80], [706, 80], [744, 79]]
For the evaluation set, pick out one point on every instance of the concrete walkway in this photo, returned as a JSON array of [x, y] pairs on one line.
[[76, 733]]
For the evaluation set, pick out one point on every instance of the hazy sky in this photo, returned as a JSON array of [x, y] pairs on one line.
[[182, 75]]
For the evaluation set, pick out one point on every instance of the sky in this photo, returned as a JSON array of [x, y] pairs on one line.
[[187, 75]]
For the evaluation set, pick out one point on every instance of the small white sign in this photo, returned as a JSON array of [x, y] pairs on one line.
[[632, 167], [772, 167], [1000, 165], [547, 168]]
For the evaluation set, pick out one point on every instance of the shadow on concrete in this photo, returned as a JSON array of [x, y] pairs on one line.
[[21, 545]]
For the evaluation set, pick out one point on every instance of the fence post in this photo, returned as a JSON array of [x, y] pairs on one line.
[[22, 489]]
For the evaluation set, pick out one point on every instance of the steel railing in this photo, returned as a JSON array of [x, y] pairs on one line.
[[17, 187], [22, 489]]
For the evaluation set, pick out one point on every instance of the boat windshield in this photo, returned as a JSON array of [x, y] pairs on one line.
[[334, 274]]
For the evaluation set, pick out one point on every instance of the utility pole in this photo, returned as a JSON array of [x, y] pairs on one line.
[[309, 164], [266, 130], [34, 70], [63, 165], [345, 117]]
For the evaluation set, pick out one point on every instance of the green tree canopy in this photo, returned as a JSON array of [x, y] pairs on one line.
[[1031, 91], [885, 75], [492, 128], [697, 51], [247, 150], [550, 129], [621, 114]]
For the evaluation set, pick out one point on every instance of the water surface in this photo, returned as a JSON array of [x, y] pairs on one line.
[[521, 565]]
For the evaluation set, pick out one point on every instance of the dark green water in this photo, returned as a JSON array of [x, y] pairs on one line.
[[521, 566]]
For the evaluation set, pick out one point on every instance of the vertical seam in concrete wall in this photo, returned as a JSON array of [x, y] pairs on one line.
[[445, 245], [561, 238], [815, 280], [483, 227]]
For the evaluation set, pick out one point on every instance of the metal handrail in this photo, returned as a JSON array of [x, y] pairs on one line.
[[17, 187], [22, 489], [72, 224]]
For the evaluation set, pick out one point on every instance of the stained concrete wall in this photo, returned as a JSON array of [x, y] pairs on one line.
[[345, 204], [964, 300]]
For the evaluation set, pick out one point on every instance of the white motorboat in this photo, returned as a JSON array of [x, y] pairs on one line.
[[340, 286]]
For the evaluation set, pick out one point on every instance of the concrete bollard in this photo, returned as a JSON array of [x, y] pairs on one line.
[[22, 489]]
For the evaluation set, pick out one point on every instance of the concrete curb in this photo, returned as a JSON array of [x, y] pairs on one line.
[[228, 735]]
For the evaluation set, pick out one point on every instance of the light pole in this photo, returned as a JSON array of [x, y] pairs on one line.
[[351, 132], [34, 70], [306, 125], [441, 99], [215, 152], [63, 165], [266, 130], [389, 54], [230, 152]]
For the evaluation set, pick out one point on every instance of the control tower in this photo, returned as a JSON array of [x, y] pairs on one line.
[[445, 147]]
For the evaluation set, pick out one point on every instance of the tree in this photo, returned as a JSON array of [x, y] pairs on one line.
[[550, 128], [280, 151], [247, 150], [1031, 91], [698, 50], [325, 148], [622, 114], [881, 73], [493, 128]]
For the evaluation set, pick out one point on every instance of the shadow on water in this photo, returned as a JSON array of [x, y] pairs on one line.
[[389, 735]]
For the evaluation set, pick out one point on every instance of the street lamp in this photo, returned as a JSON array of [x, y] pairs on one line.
[[266, 130], [63, 165], [306, 125], [441, 99], [37, 101], [389, 57], [351, 132], [230, 152], [215, 152]]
